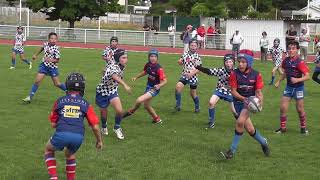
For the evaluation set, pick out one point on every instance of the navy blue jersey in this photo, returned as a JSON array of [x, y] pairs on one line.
[[294, 67], [155, 73]]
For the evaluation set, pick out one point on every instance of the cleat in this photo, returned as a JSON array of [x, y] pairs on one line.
[[30, 65], [12, 67], [104, 131], [211, 125], [281, 131], [119, 133], [177, 108], [159, 121], [266, 149], [27, 99], [270, 83], [196, 110], [227, 155], [304, 131], [128, 113]]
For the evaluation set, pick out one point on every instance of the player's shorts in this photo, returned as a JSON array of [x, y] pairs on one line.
[[294, 92], [104, 101], [277, 62], [223, 96], [17, 51], [238, 106], [43, 69], [72, 141], [193, 82], [151, 90]]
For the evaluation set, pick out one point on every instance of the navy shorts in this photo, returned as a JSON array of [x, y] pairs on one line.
[[294, 92], [72, 141], [238, 106], [17, 51], [152, 90], [223, 96], [43, 69], [193, 82], [104, 101]]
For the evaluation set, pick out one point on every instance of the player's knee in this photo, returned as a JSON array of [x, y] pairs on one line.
[[146, 106], [139, 101], [212, 104]]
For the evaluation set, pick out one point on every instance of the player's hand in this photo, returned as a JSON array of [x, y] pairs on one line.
[[128, 89], [157, 86], [294, 80], [277, 84], [99, 145], [34, 57], [188, 75], [180, 61], [133, 79], [246, 102]]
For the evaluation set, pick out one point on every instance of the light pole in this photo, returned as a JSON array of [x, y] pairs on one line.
[[20, 5]]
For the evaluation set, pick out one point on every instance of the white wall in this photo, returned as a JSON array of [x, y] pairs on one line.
[[251, 30]]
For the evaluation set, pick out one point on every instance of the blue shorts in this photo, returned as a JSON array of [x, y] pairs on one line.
[[152, 90], [294, 92], [72, 141], [17, 51], [223, 96], [193, 82], [104, 101], [238, 106], [43, 69]]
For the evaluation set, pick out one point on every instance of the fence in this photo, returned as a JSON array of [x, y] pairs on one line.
[[141, 38]]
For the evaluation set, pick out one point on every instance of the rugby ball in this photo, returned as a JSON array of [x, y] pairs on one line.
[[254, 105]]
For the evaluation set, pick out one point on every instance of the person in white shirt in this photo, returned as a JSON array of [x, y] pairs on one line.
[[194, 33], [171, 30], [236, 42], [264, 43], [304, 40]]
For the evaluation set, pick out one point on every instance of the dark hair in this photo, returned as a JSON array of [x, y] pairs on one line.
[[294, 43], [19, 27], [51, 34], [264, 33]]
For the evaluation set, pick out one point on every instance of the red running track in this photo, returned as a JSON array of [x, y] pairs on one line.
[[206, 52]]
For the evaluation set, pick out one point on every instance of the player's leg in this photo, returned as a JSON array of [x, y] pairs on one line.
[[212, 104], [50, 160], [70, 165], [315, 76], [233, 110], [302, 116], [151, 111], [25, 60], [103, 119], [179, 87], [273, 74], [57, 83], [284, 106], [254, 133], [13, 59], [35, 86], [116, 104], [146, 96], [193, 94], [74, 142]]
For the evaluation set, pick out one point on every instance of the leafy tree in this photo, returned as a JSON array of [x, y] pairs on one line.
[[239, 8], [11, 3], [200, 9], [262, 5], [289, 4], [68, 10]]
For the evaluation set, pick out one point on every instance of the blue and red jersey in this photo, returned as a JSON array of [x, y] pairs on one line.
[[69, 112], [294, 67], [246, 83], [155, 73]]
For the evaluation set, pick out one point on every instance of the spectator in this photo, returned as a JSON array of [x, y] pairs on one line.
[[194, 33], [201, 31], [218, 39], [291, 35], [154, 34], [264, 43], [304, 40], [171, 30], [146, 28], [186, 38], [210, 36], [236, 42]]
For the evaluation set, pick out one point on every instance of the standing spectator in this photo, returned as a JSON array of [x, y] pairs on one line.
[[171, 30], [186, 37], [291, 35], [304, 40], [194, 33], [154, 34], [264, 43], [218, 38], [200, 37], [210, 36], [236, 42], [146, 28]]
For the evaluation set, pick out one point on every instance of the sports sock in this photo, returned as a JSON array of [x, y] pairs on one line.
[[257, 136], [196, 102], [178, 99], [235, 142], [71, 169], [117, 122], [212, 112], [33, 90], [51, 163]]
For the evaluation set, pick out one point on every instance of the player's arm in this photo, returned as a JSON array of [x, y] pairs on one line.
[[211, 72], [141, 74], [305, 71], [163, 79], [180, 61], [259, 85], [94, 123], [53, 117], [34, 57], [120, 81]]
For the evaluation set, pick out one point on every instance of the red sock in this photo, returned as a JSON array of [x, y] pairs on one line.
[[283, 122], [71, 169], [303, 120], [51, 165], [156, 119]]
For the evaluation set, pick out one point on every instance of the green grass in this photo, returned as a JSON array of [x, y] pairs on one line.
[[180, 148]]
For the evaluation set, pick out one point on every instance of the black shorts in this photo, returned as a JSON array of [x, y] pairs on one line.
[[184, 82]]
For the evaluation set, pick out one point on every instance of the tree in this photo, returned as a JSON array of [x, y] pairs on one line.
[[239, 8], [262, 5], [200, 9], [289, 4], [11, 2], [113, 6], [216, 8], [184, 6], [68, 10]]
